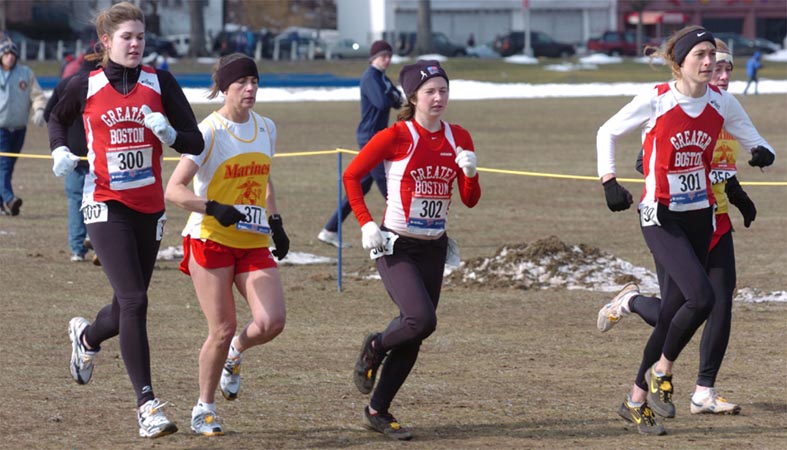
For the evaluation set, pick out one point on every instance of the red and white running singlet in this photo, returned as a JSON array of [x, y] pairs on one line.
[[125, 156]]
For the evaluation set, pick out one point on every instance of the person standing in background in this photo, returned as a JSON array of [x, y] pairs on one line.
[[378, 96], [753, 66], [75, 181], [20, 94]]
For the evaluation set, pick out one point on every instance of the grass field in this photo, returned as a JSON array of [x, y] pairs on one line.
[[506, 368]]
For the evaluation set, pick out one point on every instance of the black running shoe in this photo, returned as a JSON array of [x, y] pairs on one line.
[[385, 423], [660, 393], [14, 205], [642, 417], [369, 361]]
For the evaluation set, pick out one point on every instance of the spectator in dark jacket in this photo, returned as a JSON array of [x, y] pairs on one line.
[[752, 67], [378, 96]]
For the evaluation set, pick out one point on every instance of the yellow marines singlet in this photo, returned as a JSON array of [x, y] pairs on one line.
[[723, 167], [234, 169]]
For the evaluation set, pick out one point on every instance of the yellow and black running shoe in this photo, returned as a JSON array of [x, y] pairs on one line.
[[660, 393], [643, 417]]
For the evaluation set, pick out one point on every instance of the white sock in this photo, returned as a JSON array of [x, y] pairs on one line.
[[233, 353], [633, 403], [209, 406], [699, 396]]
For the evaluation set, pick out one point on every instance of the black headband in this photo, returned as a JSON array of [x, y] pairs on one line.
[[688, 41], [242, 67]]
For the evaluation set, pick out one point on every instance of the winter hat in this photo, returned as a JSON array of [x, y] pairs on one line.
[[8, 45], [379, 47], [414, 75]]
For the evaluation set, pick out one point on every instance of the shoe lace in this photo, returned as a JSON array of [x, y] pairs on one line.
[[152, 415], [207, 417], [390, 419], [665, 389], [232, 365], [647, 415]]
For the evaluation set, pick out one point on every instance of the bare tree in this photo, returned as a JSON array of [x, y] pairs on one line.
[[424, 36], [197, 38], [639, 6]]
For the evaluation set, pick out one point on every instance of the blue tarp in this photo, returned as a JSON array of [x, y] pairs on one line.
[[293, 80]]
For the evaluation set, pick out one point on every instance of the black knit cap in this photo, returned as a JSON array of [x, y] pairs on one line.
[[379, 47], [7, 45], [414, 75]]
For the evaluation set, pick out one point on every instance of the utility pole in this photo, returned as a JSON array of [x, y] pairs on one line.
[[424, 35]]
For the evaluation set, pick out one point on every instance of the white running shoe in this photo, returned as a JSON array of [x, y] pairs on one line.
[[152, 421], [713, 403], [331, 238], [229, 384], [205, 422], [81, 358], [618, 308]]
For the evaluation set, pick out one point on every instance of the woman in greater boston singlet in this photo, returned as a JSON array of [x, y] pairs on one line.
[[423, 157], [680, 122], [130, 111]]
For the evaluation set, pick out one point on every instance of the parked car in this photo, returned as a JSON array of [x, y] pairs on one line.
[[159, 45], [442, 45], [348, 48], [619, 43], [743, 46], [542, 44]]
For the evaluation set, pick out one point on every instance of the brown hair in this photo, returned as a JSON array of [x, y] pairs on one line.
[[408, 109], [668, 53], [223, 61], [108, 21]]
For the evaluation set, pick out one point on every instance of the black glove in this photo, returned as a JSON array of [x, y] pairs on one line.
[[396, 98], [618, 198], [279, 237], [761, 157], [225, 214], [738, 197], [639, 164]]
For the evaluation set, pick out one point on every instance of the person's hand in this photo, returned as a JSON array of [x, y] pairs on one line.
[[761, 157], [280, 238], [618, 198], [466, 161], [64, 161], [738, 197], [225, 214], [38, 118], [159, 126], [372, 237], [396, 97]]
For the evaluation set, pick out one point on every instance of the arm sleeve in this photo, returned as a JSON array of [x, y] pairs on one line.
[[738, 124], [53, 99], [378, 149], [373, 88], [469, 188], [632, 116], [37, 96], [67, 109], [181, 117]]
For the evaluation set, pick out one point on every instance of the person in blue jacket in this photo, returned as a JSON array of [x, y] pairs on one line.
[[378, 96], [753, 65]]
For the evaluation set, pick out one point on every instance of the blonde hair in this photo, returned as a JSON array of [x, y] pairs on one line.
[[668, 53], [108, 21]]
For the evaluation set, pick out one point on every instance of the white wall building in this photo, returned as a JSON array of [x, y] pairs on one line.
[[565, 20]]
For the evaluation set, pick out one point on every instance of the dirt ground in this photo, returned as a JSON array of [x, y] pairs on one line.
[[507, 367]]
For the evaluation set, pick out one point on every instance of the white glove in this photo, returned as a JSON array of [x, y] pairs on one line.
[[38, 118], [372, 236], [466, 161], [65, 161], [159, 126]]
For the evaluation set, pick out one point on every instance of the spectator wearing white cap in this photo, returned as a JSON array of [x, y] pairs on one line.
[[20, 95], [378, 96]]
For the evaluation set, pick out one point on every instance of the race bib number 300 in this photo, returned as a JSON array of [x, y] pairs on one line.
[[94, 212], [130, 167]]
